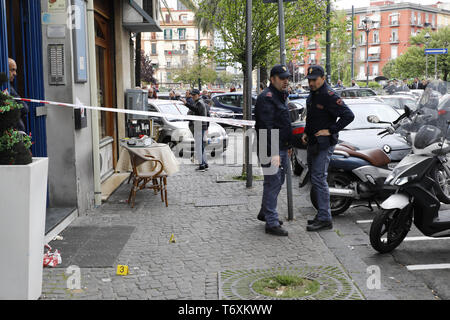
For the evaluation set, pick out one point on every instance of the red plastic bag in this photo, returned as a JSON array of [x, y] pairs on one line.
[[52, 259]]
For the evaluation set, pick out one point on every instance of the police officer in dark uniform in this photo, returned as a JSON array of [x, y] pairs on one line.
[[274, 135], [324, 107]]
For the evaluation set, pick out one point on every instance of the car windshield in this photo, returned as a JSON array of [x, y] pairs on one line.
[[173, 108], [362, 111]]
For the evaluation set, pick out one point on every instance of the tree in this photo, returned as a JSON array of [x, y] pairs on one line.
[[341, 46], [412, 62], [147, 70], [192, 73]]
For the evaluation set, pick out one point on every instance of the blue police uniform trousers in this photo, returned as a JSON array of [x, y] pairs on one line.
[[200, 144], [318, 168], [271, 189]]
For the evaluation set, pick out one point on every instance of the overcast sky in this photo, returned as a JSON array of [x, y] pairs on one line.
[[347, 4]]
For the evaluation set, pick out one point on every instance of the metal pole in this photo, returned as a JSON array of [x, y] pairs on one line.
[[367, 57], [199, 62], [328, 45], [281, 30], [435, 67], [353, 42], [283, 61], [248, 104]]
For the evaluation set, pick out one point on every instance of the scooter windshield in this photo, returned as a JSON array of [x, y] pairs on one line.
[[429, 123]]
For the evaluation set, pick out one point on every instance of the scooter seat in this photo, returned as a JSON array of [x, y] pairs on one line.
[[375, 157]]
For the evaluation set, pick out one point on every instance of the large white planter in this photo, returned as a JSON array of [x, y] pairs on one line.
[[23, 195]]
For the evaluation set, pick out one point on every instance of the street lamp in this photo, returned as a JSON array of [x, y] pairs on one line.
[[367, 23], [427, 40]]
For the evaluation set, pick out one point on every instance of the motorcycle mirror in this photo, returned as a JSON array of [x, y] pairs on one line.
[[373, 119], [407, 111]]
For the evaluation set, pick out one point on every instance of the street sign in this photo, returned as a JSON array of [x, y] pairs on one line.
[[436, 51]]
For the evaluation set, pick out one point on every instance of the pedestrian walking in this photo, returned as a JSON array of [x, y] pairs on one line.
[[198, 107], [324, 107], [272, 113]]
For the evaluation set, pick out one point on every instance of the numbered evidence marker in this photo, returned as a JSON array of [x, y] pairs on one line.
[[122, 270], [172, 238]]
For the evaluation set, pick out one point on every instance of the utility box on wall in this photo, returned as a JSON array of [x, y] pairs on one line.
[[137, 99]]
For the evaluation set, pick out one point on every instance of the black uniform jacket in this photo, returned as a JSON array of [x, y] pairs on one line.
[[324, 107], [271, 112]]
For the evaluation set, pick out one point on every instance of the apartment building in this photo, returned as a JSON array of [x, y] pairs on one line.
[[393, 23], [177, 46]]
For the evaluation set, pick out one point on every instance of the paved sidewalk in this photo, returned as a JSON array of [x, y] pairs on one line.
[[209, 240]]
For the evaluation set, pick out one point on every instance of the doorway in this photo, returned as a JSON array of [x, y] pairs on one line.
[[105, 88]]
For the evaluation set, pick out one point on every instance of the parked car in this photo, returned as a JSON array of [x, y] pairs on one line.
[[355, 92], [176, 131], [233, 101], [359, 134], [399, 101]]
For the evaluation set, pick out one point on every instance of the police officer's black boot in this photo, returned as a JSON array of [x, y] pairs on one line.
[[262, 217], [320, 225], [277, 231], [311, 221]]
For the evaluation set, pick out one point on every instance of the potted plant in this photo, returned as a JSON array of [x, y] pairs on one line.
[[23, 195]]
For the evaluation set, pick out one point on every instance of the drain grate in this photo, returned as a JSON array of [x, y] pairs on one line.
[[220, 202], [334, 283]]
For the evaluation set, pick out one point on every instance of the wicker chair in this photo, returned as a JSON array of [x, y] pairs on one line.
[[141, 180]]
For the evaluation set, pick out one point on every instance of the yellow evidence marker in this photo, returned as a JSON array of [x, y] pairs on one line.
[[122, 270], [172, 238]]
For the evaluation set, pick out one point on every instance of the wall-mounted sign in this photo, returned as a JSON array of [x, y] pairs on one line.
[[56, 31], [56, 5], [80, 43]]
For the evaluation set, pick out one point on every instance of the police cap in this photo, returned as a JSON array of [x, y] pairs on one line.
[[280, 70], [315, 72]]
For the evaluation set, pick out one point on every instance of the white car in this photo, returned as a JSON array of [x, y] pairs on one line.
[[176, 132]]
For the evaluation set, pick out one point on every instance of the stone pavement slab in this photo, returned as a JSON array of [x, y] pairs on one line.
[[209, 240]]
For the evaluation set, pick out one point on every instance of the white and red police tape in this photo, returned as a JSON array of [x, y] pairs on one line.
[[233, 122]]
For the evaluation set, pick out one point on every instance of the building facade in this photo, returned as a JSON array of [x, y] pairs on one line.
[[392, 26], [78, 52], [177, 46]]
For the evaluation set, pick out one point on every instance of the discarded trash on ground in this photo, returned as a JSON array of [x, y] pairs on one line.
[[58, 237], [52, 259]]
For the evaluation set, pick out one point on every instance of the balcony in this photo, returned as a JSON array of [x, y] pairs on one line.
[[394, 40], [394, 23], [374, 57], [311, 46], [312, 61], [302, 62], [175, 52]]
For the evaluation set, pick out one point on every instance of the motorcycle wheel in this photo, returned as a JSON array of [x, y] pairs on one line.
[[296, 167], [394, 224], [338, 205], [439, 175]]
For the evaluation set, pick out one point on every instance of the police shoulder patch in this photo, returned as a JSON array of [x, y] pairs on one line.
[[330, 92], [269, 94], [339, 102]]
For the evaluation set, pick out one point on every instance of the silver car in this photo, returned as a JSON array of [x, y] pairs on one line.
[[176, 132]]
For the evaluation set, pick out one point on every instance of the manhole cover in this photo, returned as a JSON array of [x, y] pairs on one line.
[[326, 283]]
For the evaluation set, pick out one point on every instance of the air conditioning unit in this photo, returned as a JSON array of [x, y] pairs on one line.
[[141, 15]]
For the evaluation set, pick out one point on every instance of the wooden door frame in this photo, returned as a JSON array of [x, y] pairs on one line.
[[111, 119]]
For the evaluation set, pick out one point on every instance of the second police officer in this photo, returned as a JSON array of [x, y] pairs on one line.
[[324, 108]]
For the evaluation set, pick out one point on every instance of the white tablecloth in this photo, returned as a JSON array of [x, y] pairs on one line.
[[160, 151]]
